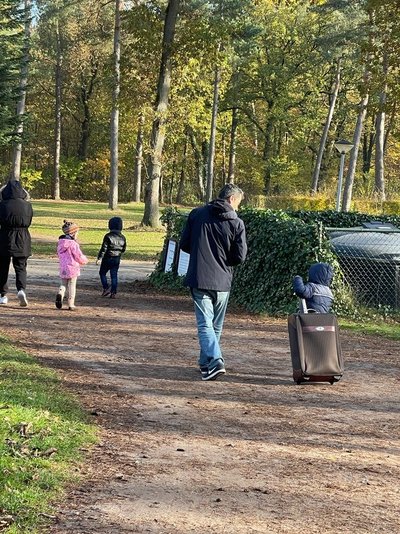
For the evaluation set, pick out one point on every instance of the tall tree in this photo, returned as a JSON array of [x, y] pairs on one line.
[[57, 114], [332, 103], [151, 215], [351, 171], [17, 153], [379, 187], [137, 173], [11, 44], [113, 200], [232, 146], [213, 130]]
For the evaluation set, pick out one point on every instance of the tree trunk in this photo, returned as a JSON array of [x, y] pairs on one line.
[[160, 190], [232, 147], [137, 175], [368, 144], [255, 129], [379, 186], [182, 178], [204, 153], [211, 150], [85, 96], [151, 212], [223, 165], [348, 186], [113, 198], [390, 124], [198, 165], [57, 113], [324, 137], [268, 150], [17, 153], [173, 176]]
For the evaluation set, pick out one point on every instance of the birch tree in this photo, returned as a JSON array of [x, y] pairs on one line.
[[57, 113], [137, 173], [379, 186], [113, 199], [324, 136], [348, 187]]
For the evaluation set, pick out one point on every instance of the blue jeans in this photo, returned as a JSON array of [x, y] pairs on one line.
[[110, 264], [210, 308]]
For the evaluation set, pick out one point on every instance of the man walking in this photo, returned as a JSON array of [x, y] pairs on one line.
[[215, 238]]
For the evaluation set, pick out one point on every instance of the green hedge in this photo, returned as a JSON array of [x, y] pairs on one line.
[[281, 245]]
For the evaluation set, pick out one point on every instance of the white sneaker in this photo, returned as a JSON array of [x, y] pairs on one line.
[[4, 300], [22, 298]]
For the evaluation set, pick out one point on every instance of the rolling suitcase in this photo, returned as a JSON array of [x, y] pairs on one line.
[[315, 347]]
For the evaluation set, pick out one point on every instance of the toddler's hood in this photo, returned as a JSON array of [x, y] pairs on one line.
[[321, 273], [115, 223], [65, 244]]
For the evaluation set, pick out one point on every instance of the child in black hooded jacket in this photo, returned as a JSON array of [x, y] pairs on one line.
[[112, 248]]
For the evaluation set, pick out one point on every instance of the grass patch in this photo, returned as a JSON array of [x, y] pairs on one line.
[[386, 329], [42, 430], [92, 217]]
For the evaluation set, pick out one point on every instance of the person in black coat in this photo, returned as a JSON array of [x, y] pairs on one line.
[[112, 248], [15, 240], [215, 238]]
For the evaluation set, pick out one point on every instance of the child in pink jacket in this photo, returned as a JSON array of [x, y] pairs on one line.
[[71, 259]]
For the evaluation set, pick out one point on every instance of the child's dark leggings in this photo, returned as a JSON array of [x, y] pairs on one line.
[[110, 264]]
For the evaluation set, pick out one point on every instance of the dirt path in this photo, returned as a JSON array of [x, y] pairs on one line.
[[250, 453]]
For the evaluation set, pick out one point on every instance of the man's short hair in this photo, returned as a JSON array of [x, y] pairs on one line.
[[230, 190]]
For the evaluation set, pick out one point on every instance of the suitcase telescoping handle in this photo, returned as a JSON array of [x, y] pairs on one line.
[[303, 306]]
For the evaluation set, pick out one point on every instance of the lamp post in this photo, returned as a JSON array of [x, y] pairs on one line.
[[343, 147]]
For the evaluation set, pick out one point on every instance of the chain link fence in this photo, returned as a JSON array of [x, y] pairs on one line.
[[369, 257]]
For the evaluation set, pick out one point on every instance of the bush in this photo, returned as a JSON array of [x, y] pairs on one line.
[[281, 245]]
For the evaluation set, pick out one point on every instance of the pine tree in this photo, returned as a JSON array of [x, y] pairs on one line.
[[11, 43]]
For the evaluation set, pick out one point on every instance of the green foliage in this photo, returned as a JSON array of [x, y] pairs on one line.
[[32, 179], [167, 281], [389, 327], [11, 46], [276, 61], [42, 431], [281, 245], [174, 221]]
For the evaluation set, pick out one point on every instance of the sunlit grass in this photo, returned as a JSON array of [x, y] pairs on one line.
[[42, 431], [92, 218], [389, 330]]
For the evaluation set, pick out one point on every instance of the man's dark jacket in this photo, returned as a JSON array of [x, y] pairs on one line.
[[215, 238], [114, 243], [15, 219]]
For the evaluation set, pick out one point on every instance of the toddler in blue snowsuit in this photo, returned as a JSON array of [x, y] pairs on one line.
[[316, 291]]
